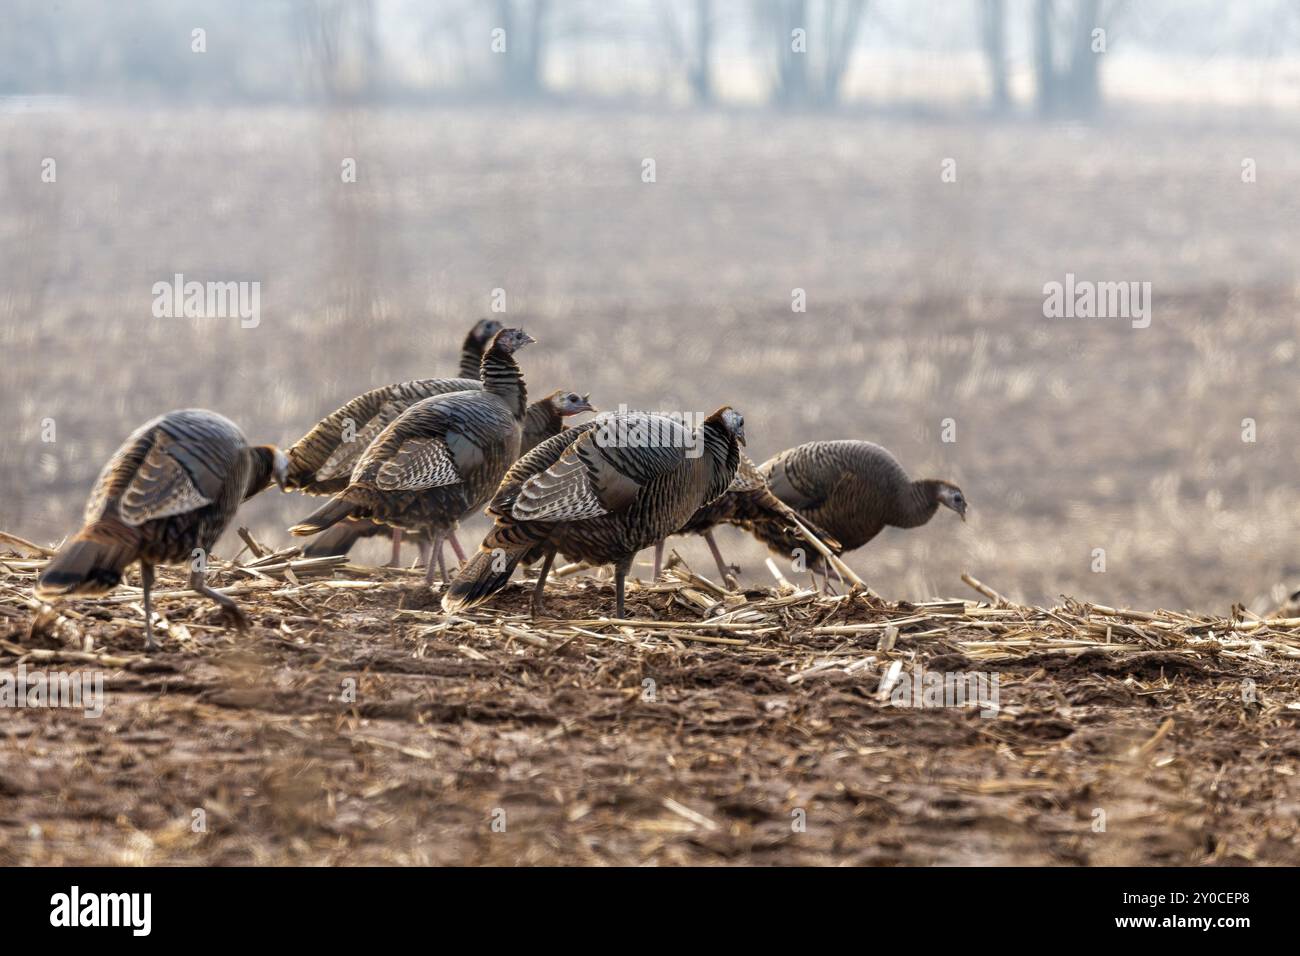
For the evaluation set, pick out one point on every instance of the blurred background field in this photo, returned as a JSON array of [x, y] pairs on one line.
[[924, 297]]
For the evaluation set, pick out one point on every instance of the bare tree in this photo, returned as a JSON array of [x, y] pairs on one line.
[[1082, 83], [338, 39], [698, 59], [840, 24], [525, 24], [30, 55], [830, 47], [792, 66], [1044, 68], [993, 33], [701, 73], [1069, 41]]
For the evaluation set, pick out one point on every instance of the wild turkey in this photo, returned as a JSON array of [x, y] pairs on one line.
[[747, 500], [542, 420], [476, 342], [852, 489], [169, 491], [545, 419], [320, 463], [441, 458], [600, 492]]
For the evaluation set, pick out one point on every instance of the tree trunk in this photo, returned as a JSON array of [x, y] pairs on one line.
[[536, 61], [1082, 90], [1044, 66], [506, 21], [523, 63], [995, 51], [840, 39], [792, 85], [701, 68], [1068, 81]]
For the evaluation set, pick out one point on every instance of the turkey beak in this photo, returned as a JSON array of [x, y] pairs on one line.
[[740, 434], [526, 339], [585, 405]]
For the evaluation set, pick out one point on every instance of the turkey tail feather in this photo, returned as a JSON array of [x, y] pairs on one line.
[[87, 564], [773, 527], [326, 516], [340, 539], [777, 534], [480, 579]]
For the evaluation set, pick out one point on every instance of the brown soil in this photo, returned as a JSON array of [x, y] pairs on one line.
[[499, 741]]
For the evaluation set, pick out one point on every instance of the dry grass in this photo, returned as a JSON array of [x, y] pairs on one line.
[[924, 304]]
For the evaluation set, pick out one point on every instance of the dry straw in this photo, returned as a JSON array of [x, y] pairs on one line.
[[868, 632]]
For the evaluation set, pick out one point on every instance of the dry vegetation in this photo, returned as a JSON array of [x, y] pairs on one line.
[[698, 731], [924, 304]]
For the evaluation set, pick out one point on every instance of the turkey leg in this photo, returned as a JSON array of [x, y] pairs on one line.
[[146, 582], [395, 560], [620, 581], [538, 608], [728, 580], [227, 604]]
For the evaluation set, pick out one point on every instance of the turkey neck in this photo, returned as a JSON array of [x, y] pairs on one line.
[[502, 378], [917, 504], [723, 455], [471, 356], [541, 421], [261, 459]]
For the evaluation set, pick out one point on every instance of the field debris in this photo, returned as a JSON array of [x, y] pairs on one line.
[[355, 722]]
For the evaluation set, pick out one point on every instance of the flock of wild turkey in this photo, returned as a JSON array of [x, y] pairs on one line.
[[418, 457]]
